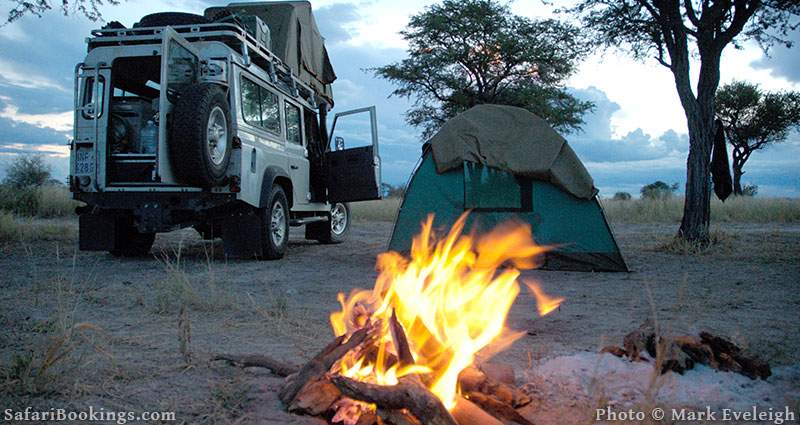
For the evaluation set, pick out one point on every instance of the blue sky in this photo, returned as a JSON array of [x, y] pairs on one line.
[[635, 135]]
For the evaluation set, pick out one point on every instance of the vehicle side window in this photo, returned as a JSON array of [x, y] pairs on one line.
[[260, 106], [270, 111], [251, 109], [293, 134]]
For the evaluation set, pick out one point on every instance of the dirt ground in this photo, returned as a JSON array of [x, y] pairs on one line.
[[118, 322]]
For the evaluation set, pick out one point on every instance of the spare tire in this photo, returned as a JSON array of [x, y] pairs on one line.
[[201, 135], [163, 19]]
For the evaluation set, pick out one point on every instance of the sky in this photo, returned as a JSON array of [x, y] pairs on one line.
[[635, 135]]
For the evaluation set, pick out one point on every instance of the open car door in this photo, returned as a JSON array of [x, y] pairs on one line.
[[354, 173]]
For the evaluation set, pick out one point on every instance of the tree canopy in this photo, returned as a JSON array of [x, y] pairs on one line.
[[27, 171], [677, 33], [465, 53], [754, 119], [88, 8]]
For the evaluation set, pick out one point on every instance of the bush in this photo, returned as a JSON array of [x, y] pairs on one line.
[[27, 171], [46, 201], [622, 196], [658, 190], [8, 227], [749, 190]]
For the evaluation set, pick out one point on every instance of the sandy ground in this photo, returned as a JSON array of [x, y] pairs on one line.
[[123, 351]]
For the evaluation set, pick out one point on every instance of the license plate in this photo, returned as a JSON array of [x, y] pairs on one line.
[[84, 161]]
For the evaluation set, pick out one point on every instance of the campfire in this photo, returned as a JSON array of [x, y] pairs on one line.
[[405, 351]]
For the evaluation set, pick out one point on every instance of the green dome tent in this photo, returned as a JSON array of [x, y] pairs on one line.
[[504, 163]]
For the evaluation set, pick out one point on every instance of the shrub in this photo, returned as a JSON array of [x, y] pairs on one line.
[[8, 227], [26, 171], [749, 190], [43, 201], [622, 196], [658, 190]]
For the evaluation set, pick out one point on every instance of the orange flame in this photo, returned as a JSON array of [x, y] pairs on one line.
[[544, 303], [451, 298]]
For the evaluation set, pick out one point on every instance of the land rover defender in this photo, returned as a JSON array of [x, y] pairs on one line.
[[218, 122]]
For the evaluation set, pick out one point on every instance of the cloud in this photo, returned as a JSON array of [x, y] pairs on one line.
[[336, 21], [12, 74], [782, 61], [60, 121]]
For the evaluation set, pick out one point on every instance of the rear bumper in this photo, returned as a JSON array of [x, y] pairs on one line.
[[157, 211]]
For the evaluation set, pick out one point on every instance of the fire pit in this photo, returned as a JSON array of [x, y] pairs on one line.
[[405, 351]]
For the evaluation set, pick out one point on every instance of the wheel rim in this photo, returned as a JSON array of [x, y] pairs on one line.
[[338, 219], [217, 135], [278, 224]]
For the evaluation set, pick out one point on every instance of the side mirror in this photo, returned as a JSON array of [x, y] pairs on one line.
[[338, 143]]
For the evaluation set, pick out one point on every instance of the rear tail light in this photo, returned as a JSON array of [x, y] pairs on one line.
[[234, 184]]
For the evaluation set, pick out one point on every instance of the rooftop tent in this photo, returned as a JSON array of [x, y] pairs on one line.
[[506, 163], [295, 38]]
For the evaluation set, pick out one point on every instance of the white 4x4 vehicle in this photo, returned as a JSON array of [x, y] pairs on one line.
[[217, 122]]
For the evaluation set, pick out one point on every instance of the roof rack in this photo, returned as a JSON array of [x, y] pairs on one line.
[[232, 35]]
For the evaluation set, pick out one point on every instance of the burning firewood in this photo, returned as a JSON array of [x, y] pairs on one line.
[[320, 364], [681, 353], [407, 394], [497, 408], [405, 351]]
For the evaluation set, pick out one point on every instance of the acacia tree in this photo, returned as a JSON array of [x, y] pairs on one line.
[[470, 52], [88, 8], [754, 119], [678, 33]]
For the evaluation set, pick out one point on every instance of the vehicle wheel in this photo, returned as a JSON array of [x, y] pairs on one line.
[[200, 138], [170, 18], [335, 230], [275, 225], [131, 243]]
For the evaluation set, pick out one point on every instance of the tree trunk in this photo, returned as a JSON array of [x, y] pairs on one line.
[[739, 157], [697, 203], [737, 181]]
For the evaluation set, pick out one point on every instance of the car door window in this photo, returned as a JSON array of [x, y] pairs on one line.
[[293, 134]]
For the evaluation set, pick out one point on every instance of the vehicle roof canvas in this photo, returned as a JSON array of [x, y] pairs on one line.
[[296, 39], [514, 140]]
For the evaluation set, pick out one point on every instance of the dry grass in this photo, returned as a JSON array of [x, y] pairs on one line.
[[734, 210], [46, 201], [59, 348], [380, 210], [54, 201], [16, 229], [198, 291], [720, 243]]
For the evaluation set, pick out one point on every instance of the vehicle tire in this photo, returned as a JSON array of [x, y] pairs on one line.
[[131, 243], [170, 18], [201, 134], [335, 230], [275, 225]]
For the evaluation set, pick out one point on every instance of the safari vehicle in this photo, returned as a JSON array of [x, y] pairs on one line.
[[219, 122]]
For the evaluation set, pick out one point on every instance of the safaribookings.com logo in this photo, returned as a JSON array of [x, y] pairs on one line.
[[89, 415]]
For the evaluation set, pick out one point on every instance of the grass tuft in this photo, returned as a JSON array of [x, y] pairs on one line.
[[719, 243], [179, 289]]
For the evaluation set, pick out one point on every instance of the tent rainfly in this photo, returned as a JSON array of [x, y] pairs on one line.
[[503, 163]]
